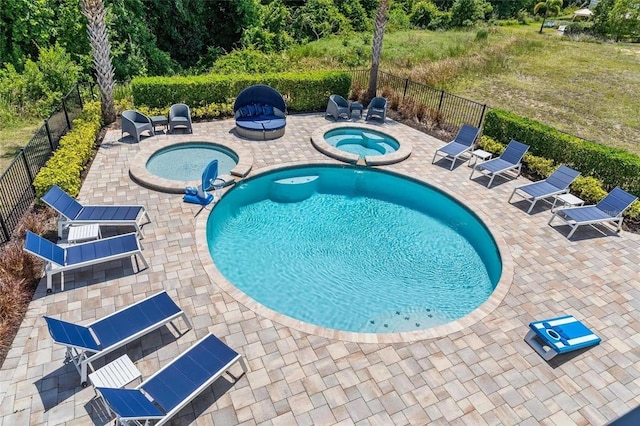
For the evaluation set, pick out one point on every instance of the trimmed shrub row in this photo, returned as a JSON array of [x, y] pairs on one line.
[[67, 162], [613, 166], [213, 95]]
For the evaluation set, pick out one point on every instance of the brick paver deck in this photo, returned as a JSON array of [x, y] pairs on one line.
[[482, 374]]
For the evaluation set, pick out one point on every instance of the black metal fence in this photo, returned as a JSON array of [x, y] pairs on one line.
[[16, 182], [449, 111]]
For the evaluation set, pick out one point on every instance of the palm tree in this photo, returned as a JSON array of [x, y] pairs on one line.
[[101, 49], [378, 34], [552, 7]]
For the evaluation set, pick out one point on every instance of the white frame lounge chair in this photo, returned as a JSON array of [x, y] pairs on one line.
[[510, 159], [462, 143], [168, 391], [609, 209], [560, 335], [557, 183], [73, 213], [60, 259], [86, 344]]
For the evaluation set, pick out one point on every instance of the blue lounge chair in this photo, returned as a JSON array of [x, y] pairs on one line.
[[86, 344], [210, 180], [60, 259], [462, 143], [174, 386], [609, 209], [510, 159], [73, 213], [557, 183], [560, 335]]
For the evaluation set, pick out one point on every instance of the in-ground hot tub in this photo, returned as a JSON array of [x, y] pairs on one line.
[[361, 144], [171, 166]]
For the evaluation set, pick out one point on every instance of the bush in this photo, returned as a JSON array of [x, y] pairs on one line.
[[18, 264], [575, 28], [612, 166], [482, 34], [38, 89], [248, 61], [213, 92], [67, 162], [423, 13]]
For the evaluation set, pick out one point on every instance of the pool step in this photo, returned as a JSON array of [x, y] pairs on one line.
[[404, 319], [293, 189]]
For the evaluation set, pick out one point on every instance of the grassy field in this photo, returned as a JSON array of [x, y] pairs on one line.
[[589, 89], [15, 137]]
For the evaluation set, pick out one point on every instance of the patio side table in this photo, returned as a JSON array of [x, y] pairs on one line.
[[567, 200], [356, 106], [116, 374], [82, 233], [481, 154], [159, 120]]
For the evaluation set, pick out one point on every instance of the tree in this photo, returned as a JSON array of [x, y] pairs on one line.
[[465, 13], [625, 19], [423, 12], [25, 26], [318, 19], [552, 7], [378, 35], [101, 49]]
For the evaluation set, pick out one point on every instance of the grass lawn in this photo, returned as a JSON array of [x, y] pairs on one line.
[[15, 137], [586, 88]]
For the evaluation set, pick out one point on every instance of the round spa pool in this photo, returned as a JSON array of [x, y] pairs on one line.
[[361, 144], [353, 249], [185, 162]]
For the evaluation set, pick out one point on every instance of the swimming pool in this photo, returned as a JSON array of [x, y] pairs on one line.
[[362, 142], [353, 249], [160, 154], [186, 161]]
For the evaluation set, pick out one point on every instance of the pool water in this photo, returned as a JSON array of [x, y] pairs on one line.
[[185, 162], [353, 249], [362, 142]]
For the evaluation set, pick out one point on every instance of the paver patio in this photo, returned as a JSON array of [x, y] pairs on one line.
[[482, 374]]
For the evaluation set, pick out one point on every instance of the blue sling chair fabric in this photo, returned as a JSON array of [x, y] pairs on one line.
[[85, 344]]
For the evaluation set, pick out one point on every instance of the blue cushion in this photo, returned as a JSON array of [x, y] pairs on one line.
[[252, 110], [244, 111], [249, 124], [268, 110], [276, 124], [258, 110]]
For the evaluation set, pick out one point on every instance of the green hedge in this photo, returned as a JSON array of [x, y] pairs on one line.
[[67, 162], [211, 95], [613, 166]]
